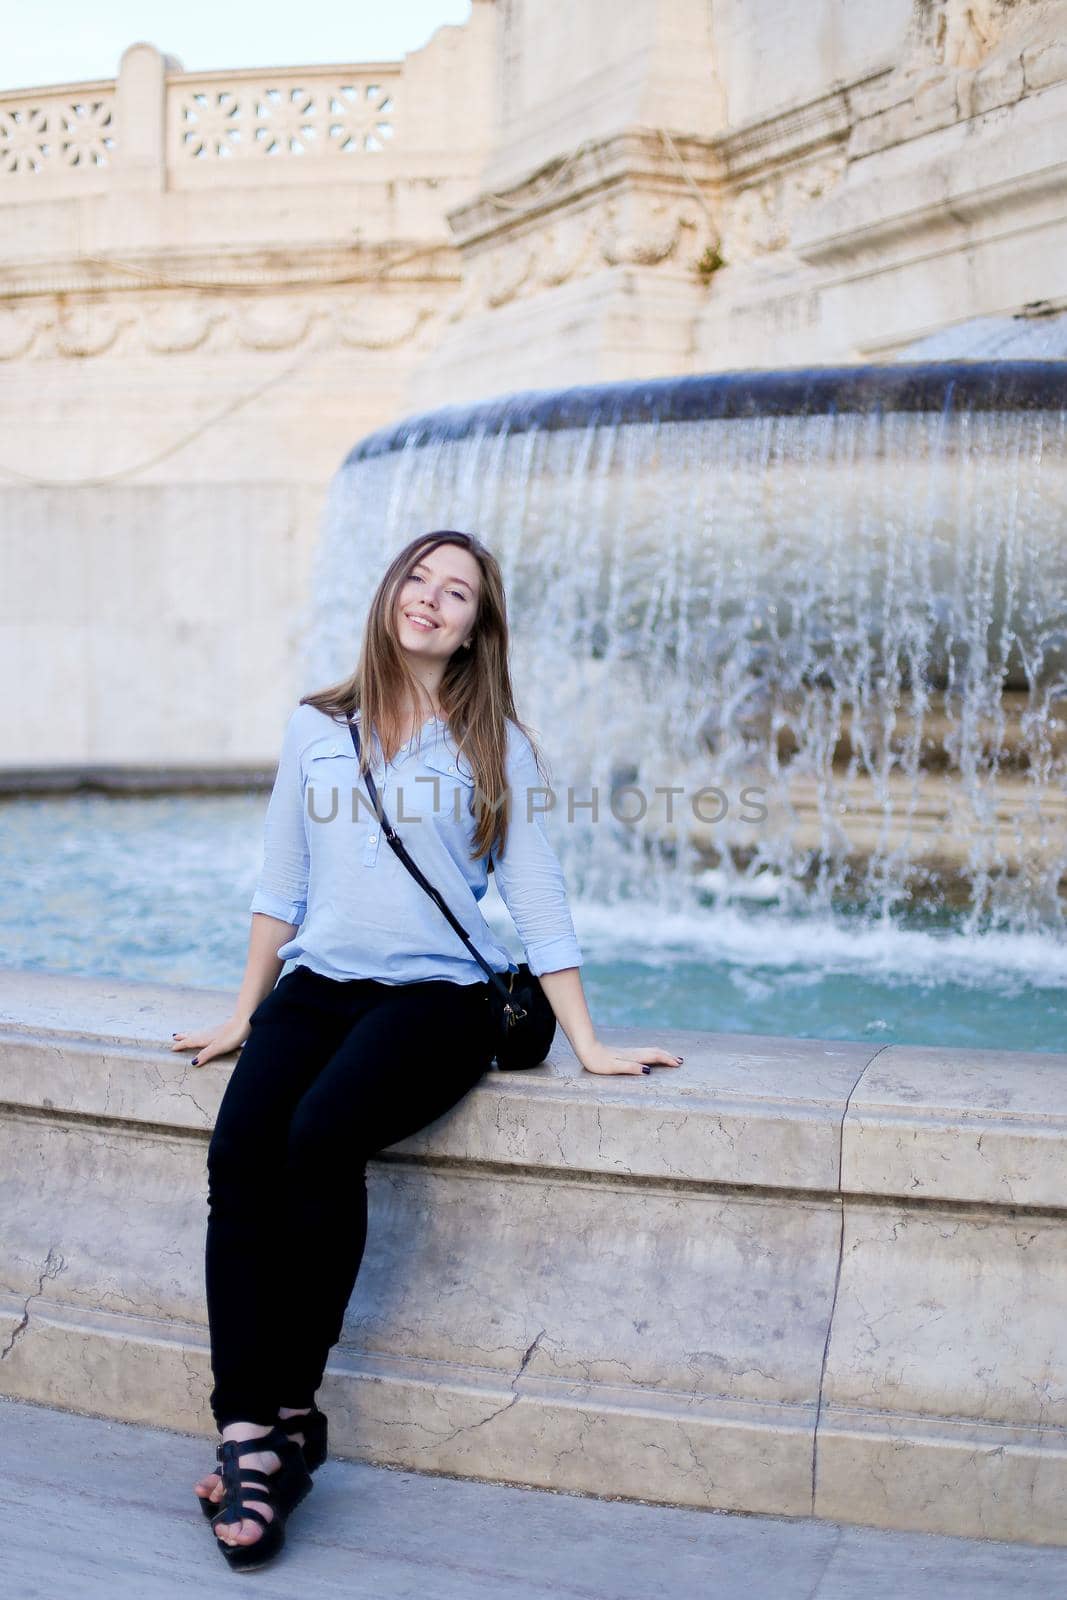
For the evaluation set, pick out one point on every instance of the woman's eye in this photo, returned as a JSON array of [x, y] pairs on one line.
[[418, 579]]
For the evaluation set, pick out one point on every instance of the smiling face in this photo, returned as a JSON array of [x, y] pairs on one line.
[[437, 603]]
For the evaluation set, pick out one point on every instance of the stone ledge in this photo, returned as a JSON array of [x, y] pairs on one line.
[[943, 187], [973, 1125], [748, 1110], [656, 1287], [136, 780], [433, 1416]]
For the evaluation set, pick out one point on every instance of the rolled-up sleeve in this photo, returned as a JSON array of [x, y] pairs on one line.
[[282, 888], [528, 873]]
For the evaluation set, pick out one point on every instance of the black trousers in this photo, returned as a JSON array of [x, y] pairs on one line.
[[331, 1073]]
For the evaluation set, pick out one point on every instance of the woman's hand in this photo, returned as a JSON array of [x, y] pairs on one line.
[[210, 1042], [637, 1058]]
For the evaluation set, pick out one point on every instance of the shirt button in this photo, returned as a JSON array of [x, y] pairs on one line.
[[451, 769], [374, 838]]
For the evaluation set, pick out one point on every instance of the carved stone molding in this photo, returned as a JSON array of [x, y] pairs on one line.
[[640, 199], [631, 230], [175, 325], [648, 198], [639, 159], [19, 327], [801, 133], [201, 270], [84, 330], [966, 58], [759, 218]]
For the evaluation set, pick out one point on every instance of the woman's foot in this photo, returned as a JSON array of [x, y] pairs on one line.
[[210, 1487], [247, 1531]]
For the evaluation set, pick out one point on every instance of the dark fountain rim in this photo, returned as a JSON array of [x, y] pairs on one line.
[[935, 386]]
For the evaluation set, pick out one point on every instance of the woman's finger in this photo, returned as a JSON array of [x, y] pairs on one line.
[[631, 1063], [648, 1056]]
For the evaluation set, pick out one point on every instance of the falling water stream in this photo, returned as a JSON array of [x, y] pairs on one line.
[[830, 604]]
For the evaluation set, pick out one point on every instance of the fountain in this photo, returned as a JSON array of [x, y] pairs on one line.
[[828, 608], [801, 634]]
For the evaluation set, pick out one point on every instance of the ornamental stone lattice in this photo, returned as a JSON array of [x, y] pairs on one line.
[[241, 116], [47, 134], [279, 119]]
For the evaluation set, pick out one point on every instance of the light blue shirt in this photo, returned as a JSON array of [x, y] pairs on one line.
[[328, 867]]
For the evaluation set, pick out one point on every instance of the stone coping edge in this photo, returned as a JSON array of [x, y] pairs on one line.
[[914, 1123]]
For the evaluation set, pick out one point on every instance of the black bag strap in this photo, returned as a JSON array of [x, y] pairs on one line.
[[399, 849]]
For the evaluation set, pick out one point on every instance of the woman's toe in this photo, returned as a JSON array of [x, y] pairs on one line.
[[244, 1532]]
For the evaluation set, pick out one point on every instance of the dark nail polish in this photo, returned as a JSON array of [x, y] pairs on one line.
[[646, 1069], [174, 1035], [196, 1061]]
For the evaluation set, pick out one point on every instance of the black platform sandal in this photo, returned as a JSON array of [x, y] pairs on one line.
[[281, 1490], [313, 1426]]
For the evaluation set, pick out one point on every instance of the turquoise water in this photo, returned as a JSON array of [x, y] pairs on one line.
[[157, 888]]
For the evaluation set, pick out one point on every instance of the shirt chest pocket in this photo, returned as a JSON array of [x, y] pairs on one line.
[[445, 790], [333, 789]]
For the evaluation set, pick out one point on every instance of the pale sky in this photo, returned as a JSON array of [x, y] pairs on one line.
[[62, 41]]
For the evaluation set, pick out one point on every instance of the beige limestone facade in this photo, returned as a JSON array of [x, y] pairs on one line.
[[212, 284]]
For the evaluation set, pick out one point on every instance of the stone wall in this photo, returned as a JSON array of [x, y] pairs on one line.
[[925, 189], [795, 1277]]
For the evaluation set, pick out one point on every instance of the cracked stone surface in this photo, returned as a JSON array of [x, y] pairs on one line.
[[366, 1533], [761, 1283], [52, 1267], [978, 1125]]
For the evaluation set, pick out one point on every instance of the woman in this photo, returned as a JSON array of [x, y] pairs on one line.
[[382, 1025]]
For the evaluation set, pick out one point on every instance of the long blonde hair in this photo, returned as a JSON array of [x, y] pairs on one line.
[[476, 694]]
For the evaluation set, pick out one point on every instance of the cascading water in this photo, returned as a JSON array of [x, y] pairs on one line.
[[835, 599], [846, 590]]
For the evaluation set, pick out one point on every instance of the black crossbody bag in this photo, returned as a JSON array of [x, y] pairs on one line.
[[523, 1022]]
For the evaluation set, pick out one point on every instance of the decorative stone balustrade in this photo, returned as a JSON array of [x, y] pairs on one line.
[[71, 130], [208, 121], [322, 113]]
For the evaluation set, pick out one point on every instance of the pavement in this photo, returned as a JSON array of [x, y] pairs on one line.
[[90, 1508]]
